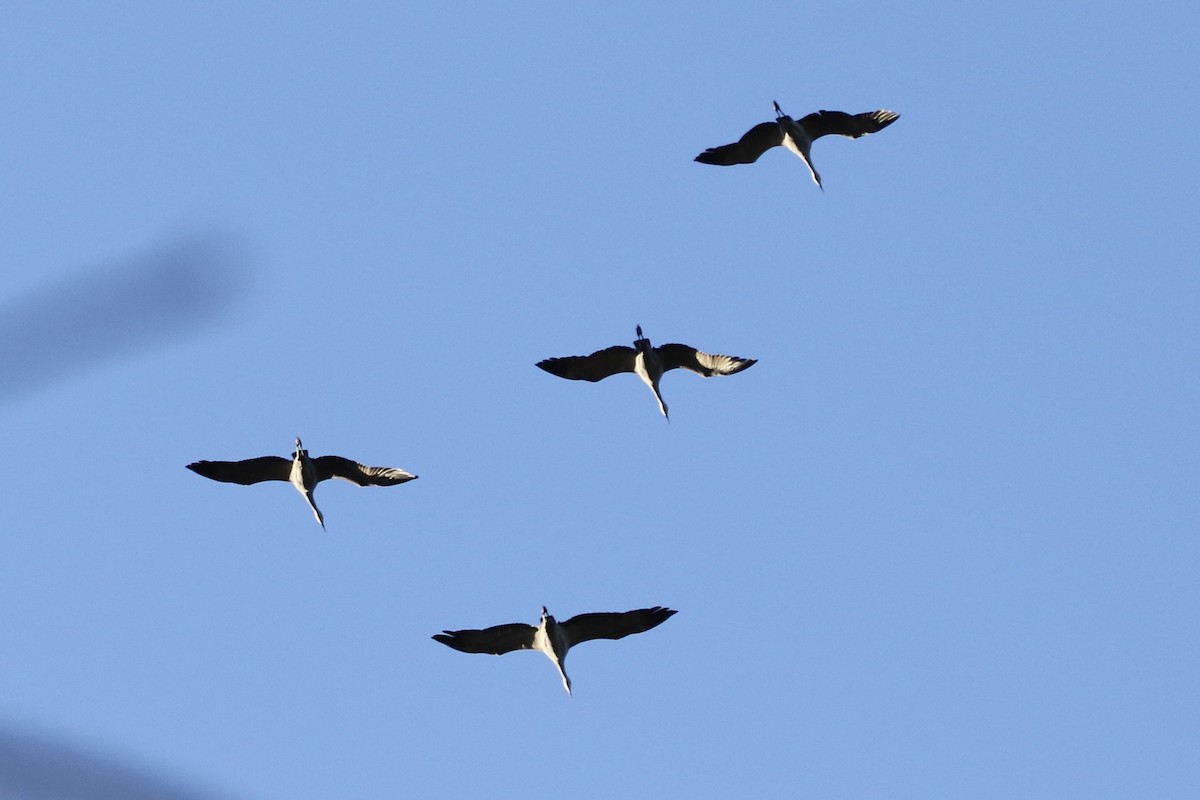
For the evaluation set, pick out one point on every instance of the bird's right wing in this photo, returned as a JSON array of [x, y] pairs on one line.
[[596, 367], [252, 470], [497, 640], [614, 625], [680, 356], [758, 140]]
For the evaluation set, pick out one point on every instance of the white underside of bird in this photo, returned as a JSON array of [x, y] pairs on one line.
[[648, 367], [550, 640], [304, 478], [797, 141]]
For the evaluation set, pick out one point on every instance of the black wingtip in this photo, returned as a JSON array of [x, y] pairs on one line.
[[661, 614], [553, 366]]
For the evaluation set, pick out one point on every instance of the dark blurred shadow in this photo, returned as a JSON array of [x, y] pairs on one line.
[[37, 768], [117, 309]]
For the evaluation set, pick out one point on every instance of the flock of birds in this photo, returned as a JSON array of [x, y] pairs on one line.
[[649, 363]]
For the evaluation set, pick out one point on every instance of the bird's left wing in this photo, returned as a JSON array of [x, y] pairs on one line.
[[680, 356], [823, 123], [496, 640], [338, 467], [614, 625]]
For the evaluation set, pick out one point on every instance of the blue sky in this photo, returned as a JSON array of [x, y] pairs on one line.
[[941, 541]]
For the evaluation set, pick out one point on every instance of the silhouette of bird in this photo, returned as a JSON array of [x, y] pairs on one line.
[[303, 472], [796, 136], [648, 363], [554, 638]]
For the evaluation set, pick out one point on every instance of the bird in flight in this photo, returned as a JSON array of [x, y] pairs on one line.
[[555, 638], [648, 363], [797, 136], [303, 472]]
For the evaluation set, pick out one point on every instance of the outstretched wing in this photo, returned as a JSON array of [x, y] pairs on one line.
[[758, 140], [596, 367], [823, 123], [613, 625], [497, 640], [681, 356], [338, 467], [252, 470]]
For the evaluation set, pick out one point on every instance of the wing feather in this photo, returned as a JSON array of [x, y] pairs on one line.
[[496, 640], [680, 356], [614, 625], [338, 467], [251, 470], [596, 367], [754, 143], [824, 123]]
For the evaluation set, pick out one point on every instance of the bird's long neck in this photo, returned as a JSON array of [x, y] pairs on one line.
[[816, 176], [565, 679], [648, 366], [312, 503]]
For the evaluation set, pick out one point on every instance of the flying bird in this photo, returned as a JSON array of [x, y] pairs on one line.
[[648, 363], [303, 472], [555, 638], [796, 136]]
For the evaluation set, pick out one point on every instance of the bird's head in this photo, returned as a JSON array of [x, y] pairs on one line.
[[299, 446], [641, 342], [778, 110]]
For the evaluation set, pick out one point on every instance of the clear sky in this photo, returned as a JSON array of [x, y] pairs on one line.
[[941, 541]]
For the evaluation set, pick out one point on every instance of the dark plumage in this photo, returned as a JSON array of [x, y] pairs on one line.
[[552, 637], [303, 472], [797, 136], [648, 363]]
